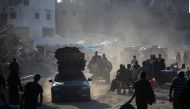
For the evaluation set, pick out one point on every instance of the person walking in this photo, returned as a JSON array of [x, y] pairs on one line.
[[134, 61], [14, 66], [176, 89], [33, 90], [14, 84], [94, 64], [178, 58], [121, 78], [143, 92], [161, 66], [185, 58], [105, 68]]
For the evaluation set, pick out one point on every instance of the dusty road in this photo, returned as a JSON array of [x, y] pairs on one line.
[[103, 100]]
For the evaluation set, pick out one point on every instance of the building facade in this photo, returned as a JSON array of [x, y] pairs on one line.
[[32, 19], [3, 15]]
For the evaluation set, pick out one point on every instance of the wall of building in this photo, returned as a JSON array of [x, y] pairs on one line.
[[34, 17]]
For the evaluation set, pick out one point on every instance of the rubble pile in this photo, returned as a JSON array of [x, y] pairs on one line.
[[70, 58]]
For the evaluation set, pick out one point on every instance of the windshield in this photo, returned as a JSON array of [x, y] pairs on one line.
[[69, 77]]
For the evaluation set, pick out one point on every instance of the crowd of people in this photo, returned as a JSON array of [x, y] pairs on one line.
[[31, 92], [143, 79], [139, 80], [125, 77], [178, 95]]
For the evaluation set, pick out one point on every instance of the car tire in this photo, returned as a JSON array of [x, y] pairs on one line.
[[88, 97], [53, 98]]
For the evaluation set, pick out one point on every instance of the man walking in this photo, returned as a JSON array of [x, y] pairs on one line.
[[176, 89], [32, 91], [178, 58], [143, 92], [14, 67], [14, 84]]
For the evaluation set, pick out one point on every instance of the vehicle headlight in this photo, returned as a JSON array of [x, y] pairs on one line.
[[85, 83], [58, 84], [85, 87]]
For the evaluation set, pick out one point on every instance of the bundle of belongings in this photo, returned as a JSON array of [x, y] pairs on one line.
[[70, 58]]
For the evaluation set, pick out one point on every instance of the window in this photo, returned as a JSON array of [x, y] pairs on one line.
[[48, 15], [22, 32], [48, 32], [37, 16], [26, 2]]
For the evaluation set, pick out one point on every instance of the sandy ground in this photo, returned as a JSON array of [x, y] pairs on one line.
[[103, 100]]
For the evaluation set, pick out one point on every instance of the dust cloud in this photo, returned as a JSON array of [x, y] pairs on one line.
[[133, 22]]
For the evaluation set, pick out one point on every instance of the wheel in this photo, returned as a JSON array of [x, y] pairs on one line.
[[88, 97], [53, 100]]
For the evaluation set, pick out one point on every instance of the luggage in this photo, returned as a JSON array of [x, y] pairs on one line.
[[70, 58]]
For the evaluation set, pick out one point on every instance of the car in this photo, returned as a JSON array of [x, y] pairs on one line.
[[70, 87]]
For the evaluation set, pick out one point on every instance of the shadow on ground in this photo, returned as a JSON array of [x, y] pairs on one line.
[[44, 106], [86, 105], [162, 98]]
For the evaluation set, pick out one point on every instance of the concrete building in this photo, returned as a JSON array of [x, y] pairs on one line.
[[33, 19]]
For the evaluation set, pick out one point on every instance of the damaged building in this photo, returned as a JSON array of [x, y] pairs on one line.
[[22, 22], [32, 19]]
